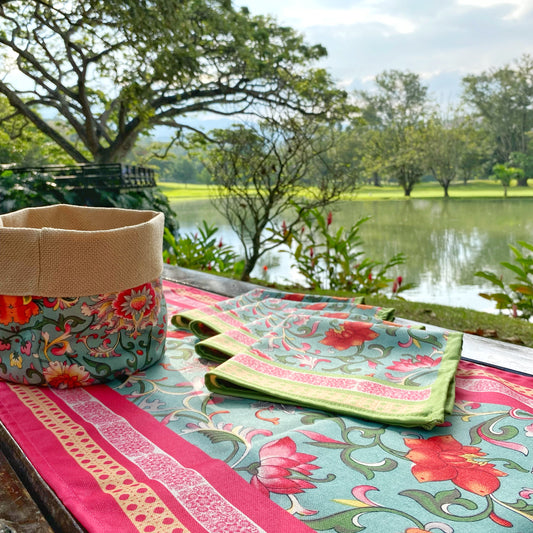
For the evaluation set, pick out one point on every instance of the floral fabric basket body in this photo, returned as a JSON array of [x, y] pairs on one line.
[[81, 298]]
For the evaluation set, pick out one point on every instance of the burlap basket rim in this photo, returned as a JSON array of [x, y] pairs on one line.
[[68, 251]]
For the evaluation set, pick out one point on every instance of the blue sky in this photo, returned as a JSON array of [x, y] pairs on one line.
[[442, 40]]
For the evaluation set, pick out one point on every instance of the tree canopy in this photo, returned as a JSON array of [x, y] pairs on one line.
[[115, 69], [502, 98]]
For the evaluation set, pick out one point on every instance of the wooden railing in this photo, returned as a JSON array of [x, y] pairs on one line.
[[92, 176]]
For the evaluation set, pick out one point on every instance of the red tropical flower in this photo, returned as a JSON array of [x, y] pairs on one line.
[[349, 334], [18, 309], [443, 458], [279, 460]]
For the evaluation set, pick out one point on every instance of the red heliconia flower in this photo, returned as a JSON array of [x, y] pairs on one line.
[[330, 218], [220, 243], [443, 458], [349, 334], [399, 279], [281, 467], [311, 252]]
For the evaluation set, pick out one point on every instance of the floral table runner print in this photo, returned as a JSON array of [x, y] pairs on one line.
[[472, 473]]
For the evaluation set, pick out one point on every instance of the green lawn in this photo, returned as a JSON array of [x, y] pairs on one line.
[[474, 189], [185, 191]]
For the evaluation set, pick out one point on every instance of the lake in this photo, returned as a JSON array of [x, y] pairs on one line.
[[445, 242]]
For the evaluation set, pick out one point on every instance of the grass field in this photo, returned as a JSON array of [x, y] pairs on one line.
[[474, 189]]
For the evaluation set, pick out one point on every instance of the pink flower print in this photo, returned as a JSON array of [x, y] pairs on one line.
[[308, 360], [421, 361], [526, 493], [278, 463], [4, 346]]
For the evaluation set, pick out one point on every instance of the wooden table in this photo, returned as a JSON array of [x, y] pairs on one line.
[[27, 504]]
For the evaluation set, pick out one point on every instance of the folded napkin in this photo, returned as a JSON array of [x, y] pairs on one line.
[[234, 313], [386, 373], [249, 329]]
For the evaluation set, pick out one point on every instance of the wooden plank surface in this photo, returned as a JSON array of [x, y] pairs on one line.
[[18, 511], [36, 498]]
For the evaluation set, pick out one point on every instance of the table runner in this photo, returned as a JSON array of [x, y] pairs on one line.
[[330, 473]]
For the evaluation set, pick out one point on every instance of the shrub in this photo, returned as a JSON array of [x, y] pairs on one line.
[[516, 297]]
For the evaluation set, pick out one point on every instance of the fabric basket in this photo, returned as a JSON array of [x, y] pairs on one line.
[[81, 298]]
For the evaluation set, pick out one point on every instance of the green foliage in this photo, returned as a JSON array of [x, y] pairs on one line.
[[115, 70], [334, 259], [395, 114], [502, 98], [516, 297], [201, 251], [32, 189], [505, 174]]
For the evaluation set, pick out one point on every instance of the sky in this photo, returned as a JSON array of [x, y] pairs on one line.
[[441, 40]]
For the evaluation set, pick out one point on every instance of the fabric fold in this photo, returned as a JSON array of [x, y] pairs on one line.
[[207, 321], [385, 373]]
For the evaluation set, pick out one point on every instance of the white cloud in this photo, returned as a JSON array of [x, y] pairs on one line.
[[442, 40], [520, 7]]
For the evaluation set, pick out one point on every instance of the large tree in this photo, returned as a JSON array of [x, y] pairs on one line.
[[453, 148], [503, 98], [115, 69], [395, 112], [270, 174]]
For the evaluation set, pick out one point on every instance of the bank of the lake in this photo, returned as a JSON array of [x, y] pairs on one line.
[[445, 242]]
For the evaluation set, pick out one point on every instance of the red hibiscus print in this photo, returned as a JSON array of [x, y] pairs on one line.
[[279, 460], [443, 458], [336, 315], [349, 334], [18, 309], [317, 306]]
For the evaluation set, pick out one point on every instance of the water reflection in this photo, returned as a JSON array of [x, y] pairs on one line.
[[445, 241]]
